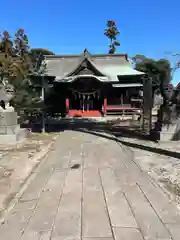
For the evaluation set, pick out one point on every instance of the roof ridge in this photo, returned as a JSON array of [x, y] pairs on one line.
[[91, 55]]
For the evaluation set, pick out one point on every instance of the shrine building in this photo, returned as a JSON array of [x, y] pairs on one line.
[[94, 84]]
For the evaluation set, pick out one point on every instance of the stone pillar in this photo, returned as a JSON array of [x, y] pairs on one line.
[[67, 105], [10, 131], [105, 106]]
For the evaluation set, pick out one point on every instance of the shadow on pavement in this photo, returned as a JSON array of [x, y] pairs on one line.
[[105, 130]]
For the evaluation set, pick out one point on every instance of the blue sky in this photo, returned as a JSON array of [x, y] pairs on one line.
[[67, 27]]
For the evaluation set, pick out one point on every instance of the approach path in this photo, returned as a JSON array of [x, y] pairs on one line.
[[90, 189]]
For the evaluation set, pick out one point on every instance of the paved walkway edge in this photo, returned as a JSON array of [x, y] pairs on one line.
[[128, 150], [40, 159]]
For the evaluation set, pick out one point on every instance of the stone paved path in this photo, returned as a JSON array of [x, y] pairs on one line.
[[105, 196]]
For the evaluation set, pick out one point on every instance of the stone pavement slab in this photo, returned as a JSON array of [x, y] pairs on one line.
[[127, 233], [68, 218], [120, 216], [165, 171], [165, 208], [174, 230], [97, 238], [95, 218], [89, 188], [147, 219], [44, 235], [16, 221]]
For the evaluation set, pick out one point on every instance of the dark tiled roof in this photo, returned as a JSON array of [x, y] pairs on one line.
[[110, 65]]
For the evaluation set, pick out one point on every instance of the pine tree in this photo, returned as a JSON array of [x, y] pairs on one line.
[[112, 33]]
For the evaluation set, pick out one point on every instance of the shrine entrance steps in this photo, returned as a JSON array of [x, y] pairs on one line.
[[80, 113]]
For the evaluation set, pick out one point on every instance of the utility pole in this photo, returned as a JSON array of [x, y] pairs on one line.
[[42, 97], [39, 69]]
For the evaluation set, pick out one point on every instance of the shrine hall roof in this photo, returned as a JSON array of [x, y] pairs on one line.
[[111, 66]]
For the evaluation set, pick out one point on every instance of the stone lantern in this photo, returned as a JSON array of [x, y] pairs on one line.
[[10, 131]]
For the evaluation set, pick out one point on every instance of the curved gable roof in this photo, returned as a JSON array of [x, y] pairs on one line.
[[108, 65], [92, 66]]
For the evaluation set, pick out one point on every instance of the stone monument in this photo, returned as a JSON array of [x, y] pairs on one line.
[[10, 131], [168, 122]]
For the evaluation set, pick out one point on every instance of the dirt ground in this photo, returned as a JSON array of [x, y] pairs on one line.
[[18, 161]]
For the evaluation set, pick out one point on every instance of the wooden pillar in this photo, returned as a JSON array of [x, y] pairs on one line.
[[83, 97], [105, 106], [67, 105], [122, 105]]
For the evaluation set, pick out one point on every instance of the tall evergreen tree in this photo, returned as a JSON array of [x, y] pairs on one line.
[[112, 33], [15, 65]]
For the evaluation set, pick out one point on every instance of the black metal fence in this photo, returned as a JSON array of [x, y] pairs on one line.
[[29, 115]]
